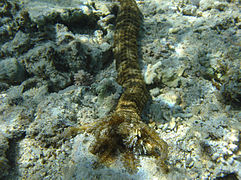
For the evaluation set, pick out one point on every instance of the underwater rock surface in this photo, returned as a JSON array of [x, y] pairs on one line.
[[57, 73]]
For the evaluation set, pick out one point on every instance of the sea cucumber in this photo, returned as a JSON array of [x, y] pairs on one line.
[[122, 133]]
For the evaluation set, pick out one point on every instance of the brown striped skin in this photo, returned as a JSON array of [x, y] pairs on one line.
[[122, 133], [129, 76]]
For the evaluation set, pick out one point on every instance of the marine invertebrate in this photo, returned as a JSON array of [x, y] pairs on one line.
[[123, 132], [83, 78]]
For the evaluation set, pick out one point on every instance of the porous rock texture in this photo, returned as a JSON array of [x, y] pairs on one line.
[[189, 55]]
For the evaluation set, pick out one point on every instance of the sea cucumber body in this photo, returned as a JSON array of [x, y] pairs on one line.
[[122, 133], [126, 54]]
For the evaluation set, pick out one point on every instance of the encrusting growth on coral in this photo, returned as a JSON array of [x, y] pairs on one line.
[[123, 132]]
